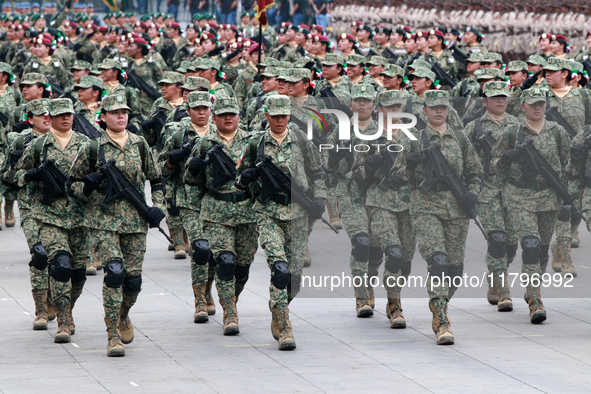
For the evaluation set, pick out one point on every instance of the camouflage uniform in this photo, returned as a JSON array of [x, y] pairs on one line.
[[342, 88], [119, 231], [282, 224], [377, 83], [533, 206], [228, 221], [86, 82], [103, 53], [169, 77], [150, 72], [55, 71], [205, 64], [85, 49], [180, 112], [60, 222], [440, 223]]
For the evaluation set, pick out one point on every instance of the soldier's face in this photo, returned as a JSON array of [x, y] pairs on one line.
[[298, 89], [208, 45], [283, 87], [354, 71], [395, 37], [381, 38], [269, 84], [11, 34], [410, 46], [469, 37], [545, 44], [200, 115], [277, 123], [556, 48], [362, 35], [281, 39], [41, 50], [534, 112], [41, 123], [471, 67], [436, 115], [226, 123], [533, 68], [170, 91], [153, 32], [245, 20], [20, 33], [421, 43], [78, 74], [330, 72], [109, 75], [450, 37], [363, 107], [134, 50], [32, 92], [392, 83], [40, 23], [300, 39], [208, 74], [516, 78], [116, 120], [556, 79], [290, 33], [496, 105], [88, 95], [420, 85], [63, 122], [345, 45], [191, 34], [99, 37], [375, 70], [433, 42], [317, 48]]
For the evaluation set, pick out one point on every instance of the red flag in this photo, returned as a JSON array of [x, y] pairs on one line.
[[261, 7]]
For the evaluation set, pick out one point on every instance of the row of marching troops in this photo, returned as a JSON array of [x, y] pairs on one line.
[[217, 122]]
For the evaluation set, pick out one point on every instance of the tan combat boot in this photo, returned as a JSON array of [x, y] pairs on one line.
[[370, 296], [51, 312], [505, 303], [567, 267], [441, 322], [575, 242], [91, 267], [114, 347], [362, 305], [9, 213], [126, 332], [492, 295], [394, 313], [200, 315], [186, 243], [334, 214], [179, 247], [286, 340], [275, 327], [210, 305], [41, 319], [71, 325], [537, 312], [63, 330], [558, 256], [230, 316]]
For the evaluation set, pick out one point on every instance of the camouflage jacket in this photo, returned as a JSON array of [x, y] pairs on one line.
[[578, 174], [293, 162], [55, 71], [12, 51], [453, 119], [89, 115], [379, 86], [20, 59], [132, 96], [65, 212], [583, 55], [464, 161], [477, 48], [183, 53], [342, 89], [168, 109], [104, 53], [232, 72], [571, 107], [243, 82], [446, 61], [214, 209], [557, 154], [151, 72], [121, 217], [85, 49], [284, 53]]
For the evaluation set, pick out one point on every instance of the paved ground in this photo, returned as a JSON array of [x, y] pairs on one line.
[[336, 352]]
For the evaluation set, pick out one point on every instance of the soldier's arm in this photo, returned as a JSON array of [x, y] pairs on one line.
[[26, 162], [500, 147], [473, 171], [153, 174], [191, 179], [317, 176], [576, 171], [163, 157]]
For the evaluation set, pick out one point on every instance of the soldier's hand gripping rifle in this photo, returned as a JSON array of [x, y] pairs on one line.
[[54, 181], [83, 126], [119, 186], [486, 142], [274, 180], [441, 171], [135, 81], [389, 159], [224, 168]]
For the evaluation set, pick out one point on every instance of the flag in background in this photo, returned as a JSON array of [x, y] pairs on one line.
[[111, 4], [261, 7]]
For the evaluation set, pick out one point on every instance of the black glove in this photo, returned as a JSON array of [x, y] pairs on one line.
[[177, 156], [372, 164], [509, 157], [154, 216], [148, 124], [530, 81], [334, 157], [92, 181], [413, 160], [578, 153], [317, 208], [248, 176], [33, 175], [132, 129], [15, 157], [196, 165], [469, 200]]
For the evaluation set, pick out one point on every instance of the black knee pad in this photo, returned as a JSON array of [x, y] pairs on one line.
[[79, 277], [454, 271], [393, 258], [61, 267], [564, 214], [405, 271], [280, 276], [511, 251], [226, 265], [114, 274], [375, 256], [39, 257], [294, 285], [530, 249], [132, 285], [360, 247], [439, 264], [241, 273], [201, 251], [497, 244]]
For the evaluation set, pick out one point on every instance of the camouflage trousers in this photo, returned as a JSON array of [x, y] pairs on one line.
[[191, 222], [537, 224], [495, 217], [74, 241], [393, 228], [39, 278], [240, 240], [130, 250], [435, 234], [283, 240]]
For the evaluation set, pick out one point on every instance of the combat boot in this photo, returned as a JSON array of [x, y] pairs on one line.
[[567, 267], [334, 214], [394, 313], [71, 325], [275, 327], [186, 243], [179, 247], [90, 268], [558, 256], [370, 297], [41, 319], [9, 213], [574, 243], [230, 316], [537, 312], [97, 259], [51, 312], [362, 305], [210, 304], [441, 322], [286, 340], [114, 347], [505, 303], [492, 295], [200, 315], [126, 331], [63, 330]]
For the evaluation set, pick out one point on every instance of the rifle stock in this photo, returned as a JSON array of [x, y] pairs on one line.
[[54, 181]]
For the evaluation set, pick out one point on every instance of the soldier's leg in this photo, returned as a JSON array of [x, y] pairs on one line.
[[561, 256], [223, 247], [246, 246], [332, 206], [175, 227], [200, 256], [575, 220], [295, 241], [57, 243], [9, 219], [81, 252]]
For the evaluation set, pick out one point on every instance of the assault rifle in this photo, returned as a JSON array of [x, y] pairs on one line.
[[553, 115], [119, 186], [135, 81], [332, 101], [389, 159], [83, 126], [457, 53], [274, 181], [54, 181], [442, 76], [487, 142], [224, 168]]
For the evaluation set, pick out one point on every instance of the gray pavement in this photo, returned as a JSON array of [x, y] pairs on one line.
[[336, 352]]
